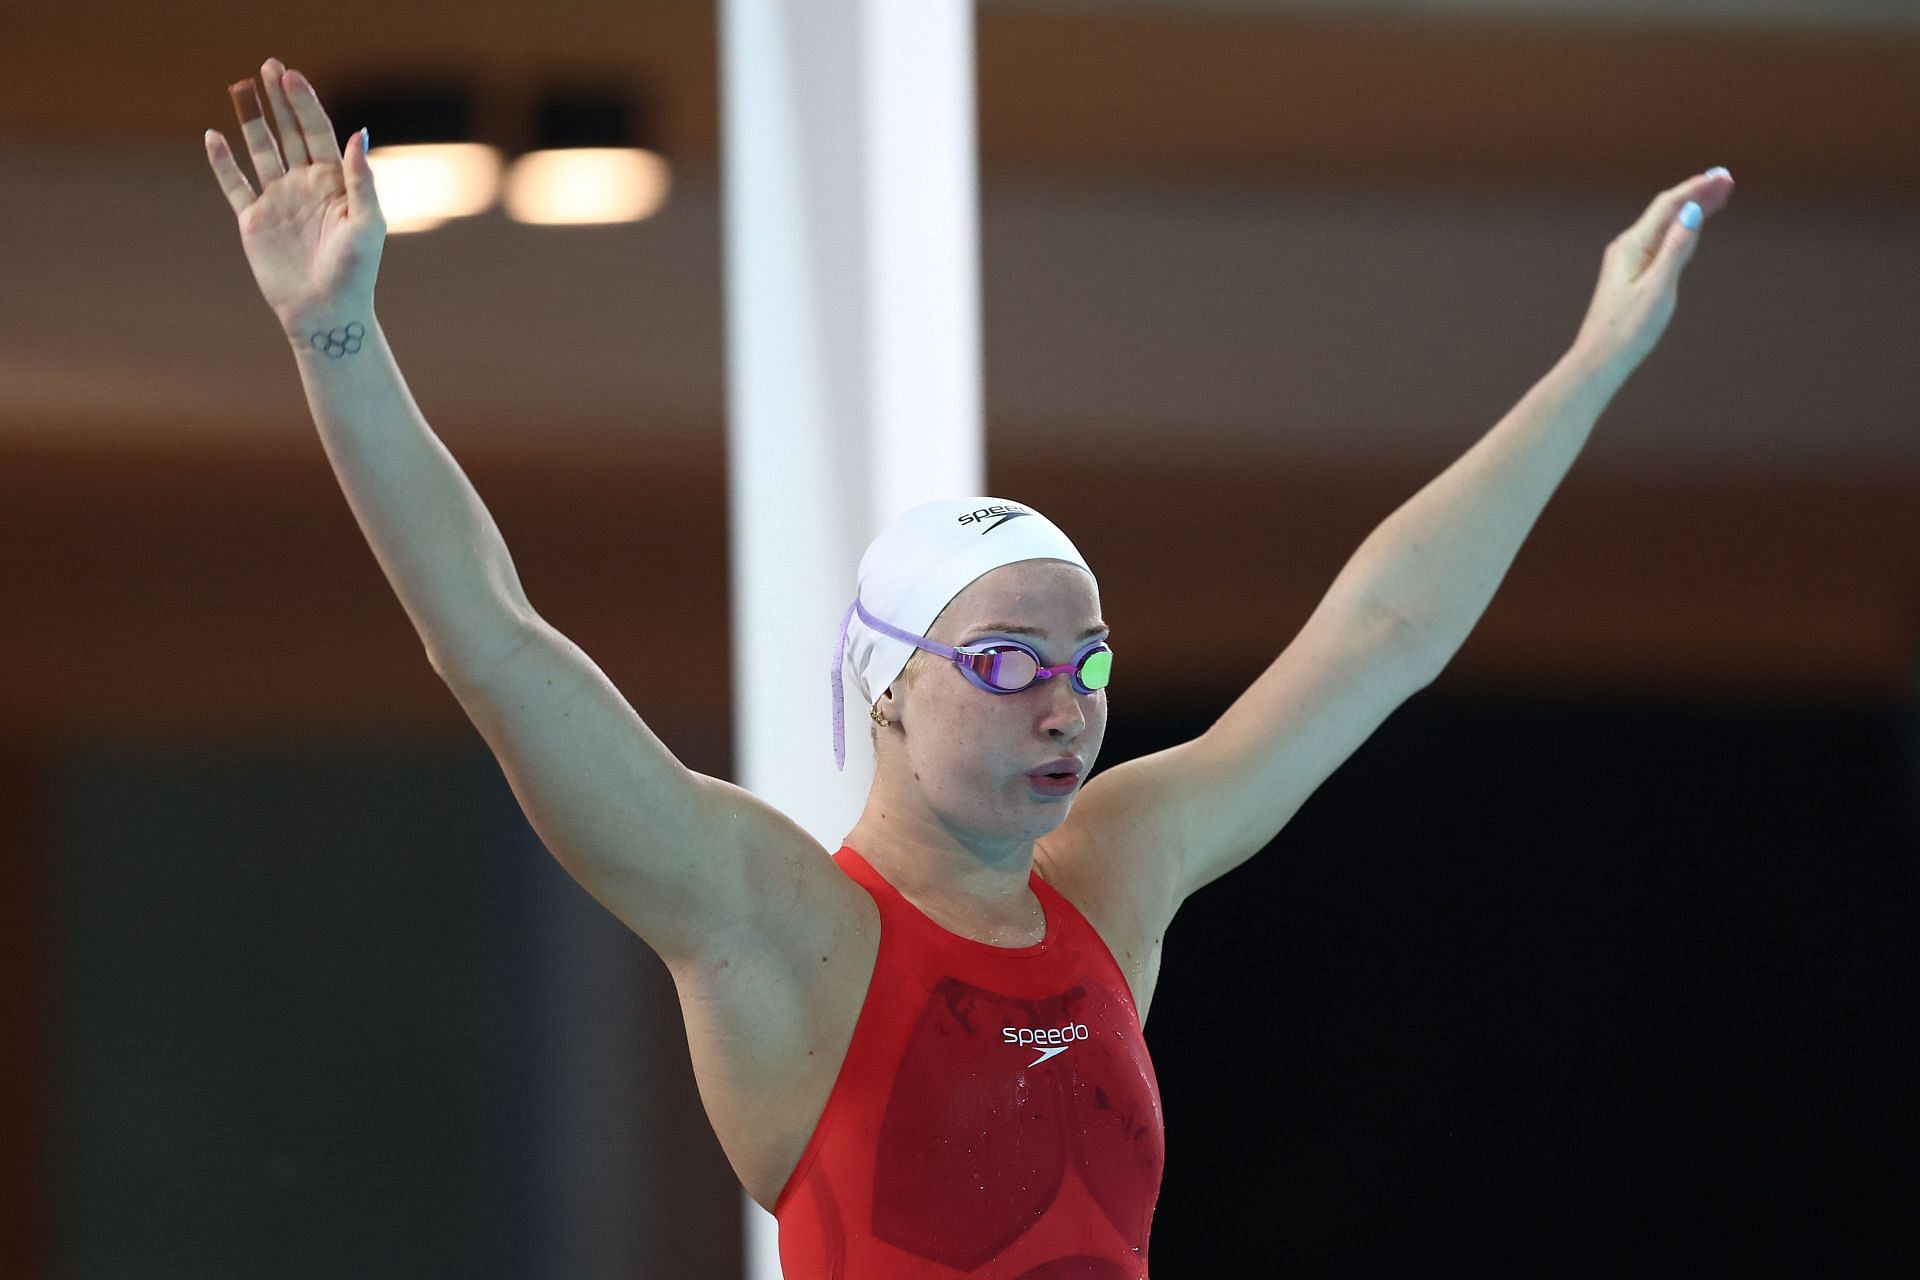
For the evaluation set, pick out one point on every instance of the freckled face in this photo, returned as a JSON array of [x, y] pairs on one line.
[[972, 749]]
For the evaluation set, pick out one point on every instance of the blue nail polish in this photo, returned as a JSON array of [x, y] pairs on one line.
[[1719, 171], [1690, 216]]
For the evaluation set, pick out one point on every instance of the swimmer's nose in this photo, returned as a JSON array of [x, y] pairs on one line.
[[1064, 712]]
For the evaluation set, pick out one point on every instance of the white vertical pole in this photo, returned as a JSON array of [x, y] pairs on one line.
[[853, 363]]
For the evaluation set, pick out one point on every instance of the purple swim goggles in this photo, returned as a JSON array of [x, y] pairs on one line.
[[999, 665]]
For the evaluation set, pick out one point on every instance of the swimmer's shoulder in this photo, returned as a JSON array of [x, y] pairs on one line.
[[790, 900]]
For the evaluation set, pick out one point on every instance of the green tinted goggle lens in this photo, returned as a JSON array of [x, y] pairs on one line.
[[1096, 670]]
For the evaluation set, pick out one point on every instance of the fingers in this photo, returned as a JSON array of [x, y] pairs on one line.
[[1713, 189], [1641, 243], [266, 157], [316, 130], [225, 168], [1665, 207], [363, 202], [1678, 242], [293, 147]]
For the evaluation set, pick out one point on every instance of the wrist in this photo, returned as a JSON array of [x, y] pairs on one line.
[[1592, 366], [332, 332]]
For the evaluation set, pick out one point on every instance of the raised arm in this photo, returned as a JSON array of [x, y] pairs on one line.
[[1405, 601], [679, 857]]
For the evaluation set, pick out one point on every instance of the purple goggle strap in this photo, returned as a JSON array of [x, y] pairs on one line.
[[839, 691], [839, 665]]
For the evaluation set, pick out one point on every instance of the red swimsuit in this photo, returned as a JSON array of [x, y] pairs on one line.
[[996, 1115]]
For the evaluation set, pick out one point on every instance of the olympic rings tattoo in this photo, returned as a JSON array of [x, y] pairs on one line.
[[335, 343]]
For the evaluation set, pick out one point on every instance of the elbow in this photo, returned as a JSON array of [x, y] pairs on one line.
[[1416, 649], [470, 661], [1424, 657]]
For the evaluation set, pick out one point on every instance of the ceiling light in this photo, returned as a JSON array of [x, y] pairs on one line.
[[430, 182], [589, 165]]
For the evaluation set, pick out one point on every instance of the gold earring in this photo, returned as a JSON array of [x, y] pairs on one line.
[[879, 719]]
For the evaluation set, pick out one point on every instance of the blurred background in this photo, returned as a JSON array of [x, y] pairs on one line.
[[1595, 957]]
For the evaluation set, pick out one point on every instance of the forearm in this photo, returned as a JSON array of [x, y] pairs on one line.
[[433, 537], [1437, 561]]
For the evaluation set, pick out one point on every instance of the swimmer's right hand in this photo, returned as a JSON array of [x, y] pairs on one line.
[[313, 231]]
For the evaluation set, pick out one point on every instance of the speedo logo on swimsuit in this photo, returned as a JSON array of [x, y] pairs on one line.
[[1011, 511], [1059, 1038]]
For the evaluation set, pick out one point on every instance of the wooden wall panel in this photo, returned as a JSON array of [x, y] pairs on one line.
[[1373, 97], [201, 595]]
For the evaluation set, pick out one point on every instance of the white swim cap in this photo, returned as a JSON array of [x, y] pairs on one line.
[[913, 568]]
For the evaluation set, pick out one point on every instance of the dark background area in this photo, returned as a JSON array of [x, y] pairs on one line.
[[1538, 987], [1531, 985], [327, 1007]]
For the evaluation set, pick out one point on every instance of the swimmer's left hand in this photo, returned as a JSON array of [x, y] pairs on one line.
[[1640, 274]]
